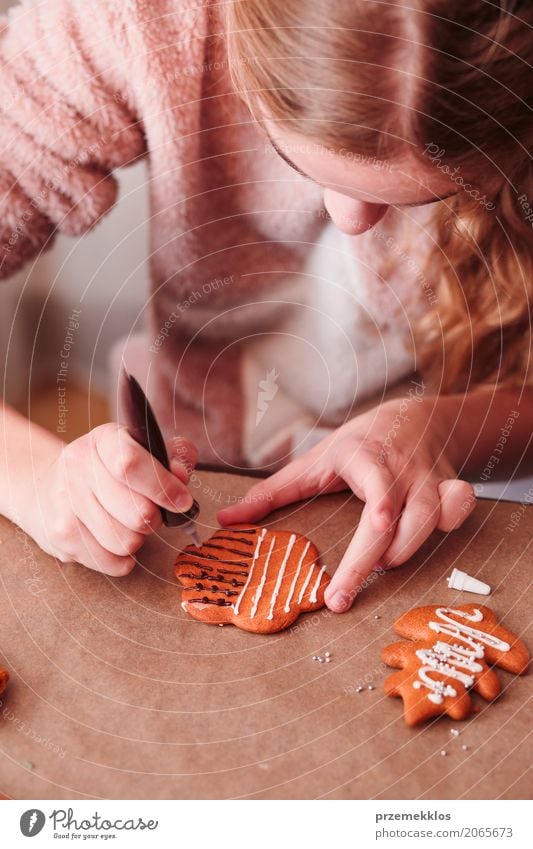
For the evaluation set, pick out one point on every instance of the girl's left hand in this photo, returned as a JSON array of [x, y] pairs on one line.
[[396, 458]]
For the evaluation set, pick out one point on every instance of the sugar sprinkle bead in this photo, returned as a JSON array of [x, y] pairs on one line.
[[327, 659], [454, 732], [444, 753], [315, 657], [327, 654], [377, 617], [359, 690], [464, 747], [370, 687]]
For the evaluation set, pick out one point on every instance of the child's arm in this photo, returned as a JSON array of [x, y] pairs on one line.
[[402, 459], [65, 121], [94, 500]]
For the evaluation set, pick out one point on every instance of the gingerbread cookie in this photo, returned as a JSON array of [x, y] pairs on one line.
[[256, 579], [449, 655]]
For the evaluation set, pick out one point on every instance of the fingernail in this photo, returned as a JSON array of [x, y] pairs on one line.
[[340, 601], [183, 502]]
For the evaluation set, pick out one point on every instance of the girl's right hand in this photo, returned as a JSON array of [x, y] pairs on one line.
[[99, 498]]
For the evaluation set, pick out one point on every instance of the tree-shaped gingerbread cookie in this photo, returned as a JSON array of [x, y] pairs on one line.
[[449, 653]]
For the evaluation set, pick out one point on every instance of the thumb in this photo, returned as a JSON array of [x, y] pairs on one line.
[[183, 456]]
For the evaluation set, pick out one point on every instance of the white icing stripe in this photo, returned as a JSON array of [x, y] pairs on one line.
[[306, 582], [456, 629], [281, 572], [295, 579], [259, 591], [312, 597], [250, 573], [449, 659]]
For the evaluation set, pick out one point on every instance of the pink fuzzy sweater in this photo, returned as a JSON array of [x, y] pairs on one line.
[[265, 326]]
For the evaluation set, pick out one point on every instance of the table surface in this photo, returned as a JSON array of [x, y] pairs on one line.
[[116, 693]]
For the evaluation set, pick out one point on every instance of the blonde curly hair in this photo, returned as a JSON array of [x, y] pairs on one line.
[[451, 81]]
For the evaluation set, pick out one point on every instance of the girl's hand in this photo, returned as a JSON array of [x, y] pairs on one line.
[[396, 459], [98, 498]]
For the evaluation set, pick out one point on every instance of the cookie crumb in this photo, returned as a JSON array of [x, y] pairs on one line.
[[28, 765], [444, 753]]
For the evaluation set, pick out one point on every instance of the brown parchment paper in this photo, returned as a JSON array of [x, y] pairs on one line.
[[116, 693]]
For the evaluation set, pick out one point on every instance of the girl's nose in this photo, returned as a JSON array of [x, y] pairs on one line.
[[352, 216]]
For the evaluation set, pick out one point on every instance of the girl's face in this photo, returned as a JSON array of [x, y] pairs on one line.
[[359, 190]]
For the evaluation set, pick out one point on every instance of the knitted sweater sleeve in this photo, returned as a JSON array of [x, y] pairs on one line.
[[66, 121]]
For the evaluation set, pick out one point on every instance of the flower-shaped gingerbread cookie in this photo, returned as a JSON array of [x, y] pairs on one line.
[[450, 653], [256, 579]]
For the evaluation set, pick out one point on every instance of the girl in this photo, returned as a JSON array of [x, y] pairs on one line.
[[340, 193]]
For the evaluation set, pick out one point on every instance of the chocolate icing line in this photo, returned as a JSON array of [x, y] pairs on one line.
[[295, 579], [218, 578], [247, 584], [213, 559], [234, 539], [204, 600], [281, 572], [306, 582], [312, 597], [223, 548], [259, 591]]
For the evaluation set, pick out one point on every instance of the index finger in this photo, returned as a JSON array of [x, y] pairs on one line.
[[364, 551], [372, 537]]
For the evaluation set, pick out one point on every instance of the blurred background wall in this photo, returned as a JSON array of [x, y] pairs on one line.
[[104, 274]]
